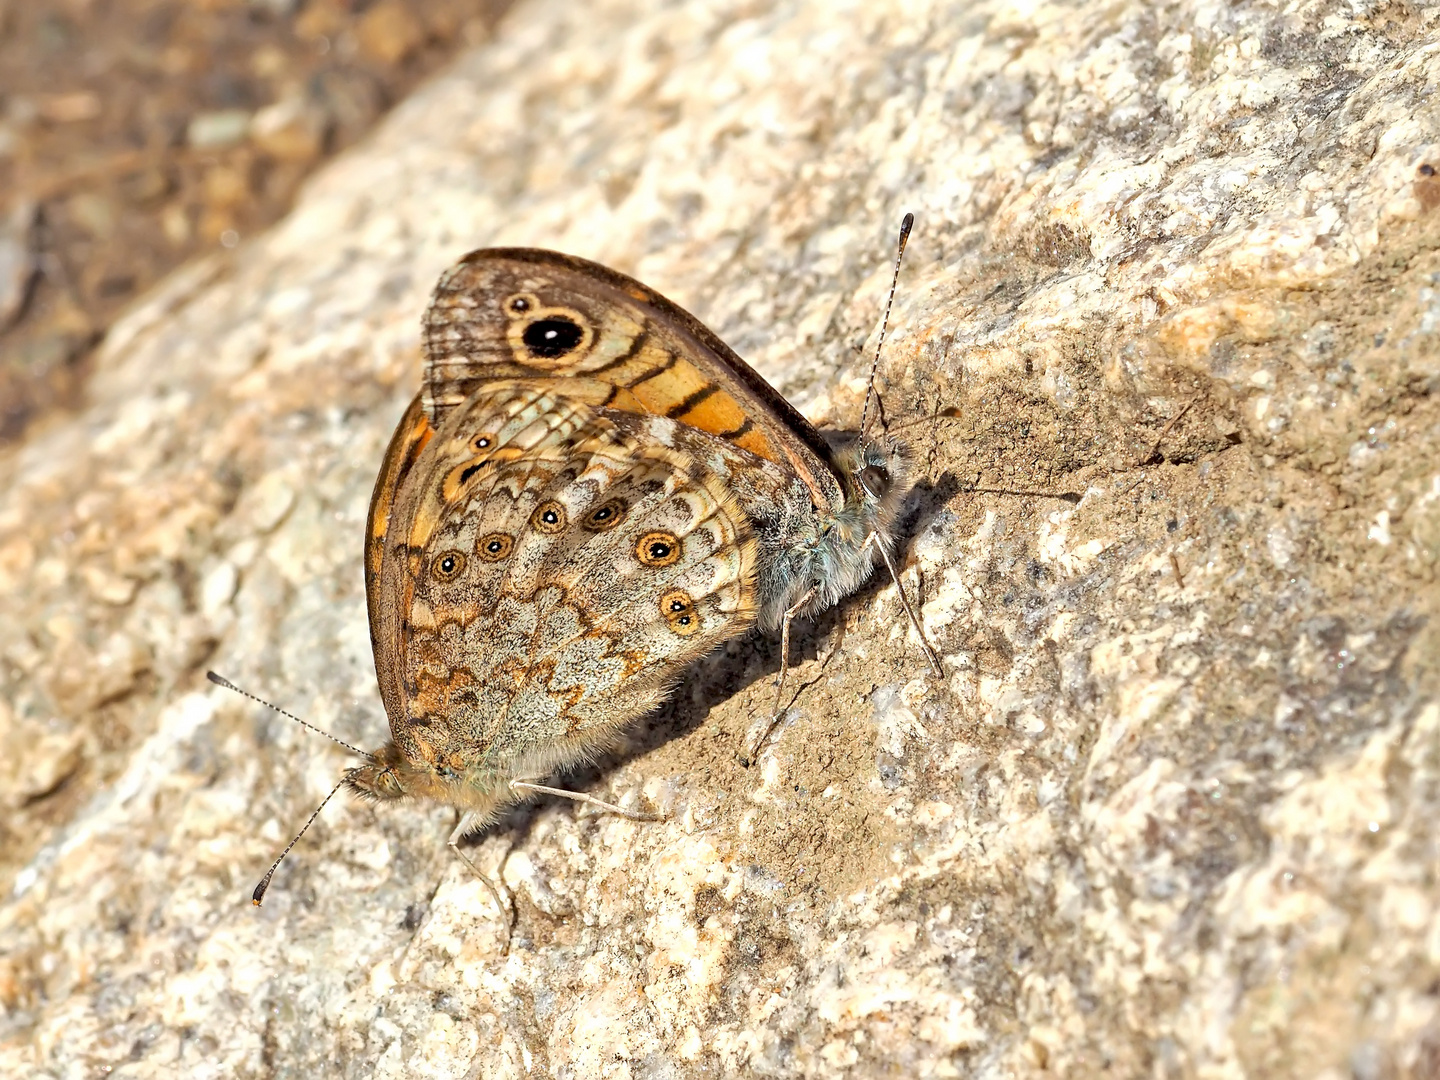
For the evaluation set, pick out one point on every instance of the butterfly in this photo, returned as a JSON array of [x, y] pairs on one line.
[[590, 491]]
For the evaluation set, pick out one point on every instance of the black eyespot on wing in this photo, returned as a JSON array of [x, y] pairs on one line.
[[658, 549], [482, 441], [605, 516], [552, 337], [520, 303], [495, 546], [678, 611], [549, 517], [447, 566]]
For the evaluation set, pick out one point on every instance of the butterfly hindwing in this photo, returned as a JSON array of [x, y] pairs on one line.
[[555, 574]]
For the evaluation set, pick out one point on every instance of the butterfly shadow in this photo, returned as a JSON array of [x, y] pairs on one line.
[[732, 670]]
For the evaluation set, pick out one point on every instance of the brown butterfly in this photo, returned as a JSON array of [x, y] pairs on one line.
[[590, 491]]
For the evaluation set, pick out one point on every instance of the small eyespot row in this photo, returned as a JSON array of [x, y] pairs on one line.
[[448, 565], [678, 611], [495, 546], [549, 517], [605, 516], [658, 549]]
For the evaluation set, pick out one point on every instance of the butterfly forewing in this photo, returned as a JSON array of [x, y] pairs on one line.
[[601, 337]]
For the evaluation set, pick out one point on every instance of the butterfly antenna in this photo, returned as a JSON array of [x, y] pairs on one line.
[[906, 223], [259, 893], [220, 680]]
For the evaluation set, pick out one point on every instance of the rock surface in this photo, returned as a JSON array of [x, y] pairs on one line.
[[1167, 345]]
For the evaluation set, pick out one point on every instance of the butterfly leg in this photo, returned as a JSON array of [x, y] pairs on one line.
[[784, 668], [466, 825], [522, 787], [785, 651], [930, 654]]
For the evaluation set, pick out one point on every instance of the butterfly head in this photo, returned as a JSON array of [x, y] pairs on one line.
[[876, 476], [390, 775], [386, 776]]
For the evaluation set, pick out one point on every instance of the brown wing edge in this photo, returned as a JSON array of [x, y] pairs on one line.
[[411, 435], [792, 431]]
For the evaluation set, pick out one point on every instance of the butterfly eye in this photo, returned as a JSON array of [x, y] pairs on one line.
[[493, 547], [658, 549], [605, 516], [447, 565], [875, 480], [552, 337], [549, 517], [679, 612]]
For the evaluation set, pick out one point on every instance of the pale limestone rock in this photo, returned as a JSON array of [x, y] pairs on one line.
[[1171, 305]]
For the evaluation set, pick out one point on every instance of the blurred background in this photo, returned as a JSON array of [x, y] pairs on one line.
[[138, 134]]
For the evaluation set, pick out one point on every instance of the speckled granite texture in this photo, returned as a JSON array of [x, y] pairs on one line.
[[1167, 345]]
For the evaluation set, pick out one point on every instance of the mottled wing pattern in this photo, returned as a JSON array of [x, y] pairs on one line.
[[543, 577], [605, 339]]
